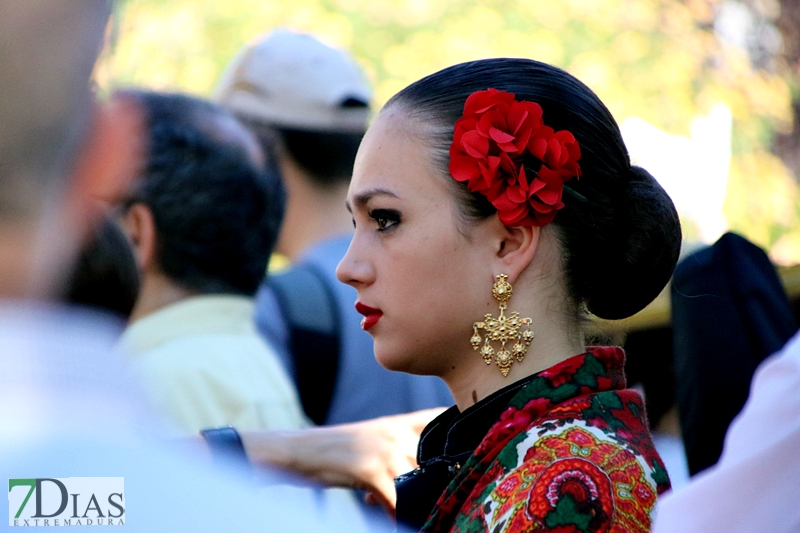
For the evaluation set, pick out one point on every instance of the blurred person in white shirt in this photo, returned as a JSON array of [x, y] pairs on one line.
[[755, 485]]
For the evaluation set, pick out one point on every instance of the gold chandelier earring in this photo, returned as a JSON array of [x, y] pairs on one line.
[[503, 329]]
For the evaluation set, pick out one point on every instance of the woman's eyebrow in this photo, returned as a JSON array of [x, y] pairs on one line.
[[361, 199]]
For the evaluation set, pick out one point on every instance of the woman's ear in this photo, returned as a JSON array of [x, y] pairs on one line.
[[517, 248]]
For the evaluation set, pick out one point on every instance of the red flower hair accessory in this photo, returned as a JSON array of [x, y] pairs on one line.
[[502, 149]]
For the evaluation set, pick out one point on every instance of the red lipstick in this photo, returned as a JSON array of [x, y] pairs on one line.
[[371, 316]]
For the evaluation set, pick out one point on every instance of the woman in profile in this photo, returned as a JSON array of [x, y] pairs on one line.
[[495, 205]]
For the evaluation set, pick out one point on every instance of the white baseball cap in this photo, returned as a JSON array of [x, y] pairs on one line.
[[293, 80]]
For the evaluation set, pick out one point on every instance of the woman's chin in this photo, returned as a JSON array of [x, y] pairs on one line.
[[391, 361], [398, 361]]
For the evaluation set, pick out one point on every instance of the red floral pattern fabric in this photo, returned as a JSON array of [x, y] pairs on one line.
[[571, 454]]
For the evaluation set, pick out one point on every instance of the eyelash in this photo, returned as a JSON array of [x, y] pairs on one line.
[[386, 219]]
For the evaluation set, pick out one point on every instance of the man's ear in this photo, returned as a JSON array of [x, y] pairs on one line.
[[517, 248], [140, 228]]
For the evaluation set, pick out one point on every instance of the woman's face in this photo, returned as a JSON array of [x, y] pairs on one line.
[[423, 276]]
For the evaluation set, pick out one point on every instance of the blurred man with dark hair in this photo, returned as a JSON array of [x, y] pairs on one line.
[[311, 102], [203, 216]]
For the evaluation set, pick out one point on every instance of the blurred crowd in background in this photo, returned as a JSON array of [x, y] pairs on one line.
[[669, 63]]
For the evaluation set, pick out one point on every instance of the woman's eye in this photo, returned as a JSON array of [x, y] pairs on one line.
[[385, 218], [384, 223], [354, 222]]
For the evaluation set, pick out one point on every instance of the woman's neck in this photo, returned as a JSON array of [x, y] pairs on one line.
[[478, 380]]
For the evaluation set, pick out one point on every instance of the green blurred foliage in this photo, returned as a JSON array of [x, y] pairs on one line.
[[655, 59]]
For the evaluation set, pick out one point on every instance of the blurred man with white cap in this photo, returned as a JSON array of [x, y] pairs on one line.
[[310, 104]]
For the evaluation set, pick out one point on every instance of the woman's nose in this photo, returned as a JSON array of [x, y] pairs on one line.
[[354, 269]]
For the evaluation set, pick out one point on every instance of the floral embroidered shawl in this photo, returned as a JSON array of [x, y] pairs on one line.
[[571, 454]]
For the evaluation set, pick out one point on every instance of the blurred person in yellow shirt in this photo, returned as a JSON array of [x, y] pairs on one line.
[[202, 217]]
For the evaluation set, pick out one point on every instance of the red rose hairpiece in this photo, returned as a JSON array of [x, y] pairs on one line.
[[502, 149]]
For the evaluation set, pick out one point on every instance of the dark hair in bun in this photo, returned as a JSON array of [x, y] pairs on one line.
[[620, 232]]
